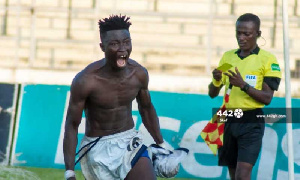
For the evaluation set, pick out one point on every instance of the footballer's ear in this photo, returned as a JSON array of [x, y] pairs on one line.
[[102, 47]]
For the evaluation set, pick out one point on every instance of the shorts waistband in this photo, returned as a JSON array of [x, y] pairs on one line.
[[253, 110], [112, 136]]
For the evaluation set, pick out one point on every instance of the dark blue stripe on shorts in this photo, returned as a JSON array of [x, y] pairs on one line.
[[141, 153]]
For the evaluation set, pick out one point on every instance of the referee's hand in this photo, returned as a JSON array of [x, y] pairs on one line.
[[235, 78], [217, 74]]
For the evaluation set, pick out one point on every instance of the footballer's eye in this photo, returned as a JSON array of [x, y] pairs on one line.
[[127, 42], [114, 44]]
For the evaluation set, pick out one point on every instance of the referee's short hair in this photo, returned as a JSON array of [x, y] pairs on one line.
[[250, 17]]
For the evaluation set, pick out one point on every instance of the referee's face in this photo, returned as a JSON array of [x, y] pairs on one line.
[[246, 35]]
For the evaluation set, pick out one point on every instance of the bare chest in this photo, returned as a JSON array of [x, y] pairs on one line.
[[114, 93]]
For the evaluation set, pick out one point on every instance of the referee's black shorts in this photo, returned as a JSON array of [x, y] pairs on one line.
[[242, 139]]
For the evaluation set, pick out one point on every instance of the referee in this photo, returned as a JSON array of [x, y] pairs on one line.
[[253, 78]]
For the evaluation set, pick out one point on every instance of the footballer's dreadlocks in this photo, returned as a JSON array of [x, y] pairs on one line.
[[114, 22]]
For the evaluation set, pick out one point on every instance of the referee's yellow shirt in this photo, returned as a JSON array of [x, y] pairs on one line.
[[253, 68]]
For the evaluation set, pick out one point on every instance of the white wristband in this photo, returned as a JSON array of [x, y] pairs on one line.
[[69, 173]]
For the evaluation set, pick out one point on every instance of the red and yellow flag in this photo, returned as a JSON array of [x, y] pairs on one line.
[[212, 133]]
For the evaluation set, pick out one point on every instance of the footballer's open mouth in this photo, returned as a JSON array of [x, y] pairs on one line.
[[121, 61]]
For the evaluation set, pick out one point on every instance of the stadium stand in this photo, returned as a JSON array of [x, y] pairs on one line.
[[169, 36]]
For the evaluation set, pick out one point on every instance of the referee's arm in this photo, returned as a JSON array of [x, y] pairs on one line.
[[213, 91], [215, 86]]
